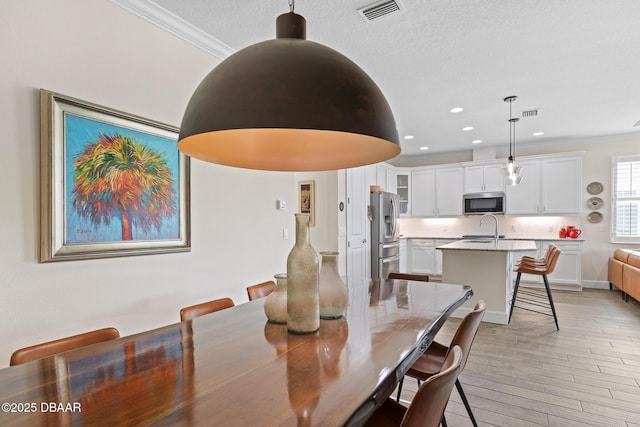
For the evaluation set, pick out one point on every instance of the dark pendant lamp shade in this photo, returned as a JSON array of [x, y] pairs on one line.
[[289, 104]]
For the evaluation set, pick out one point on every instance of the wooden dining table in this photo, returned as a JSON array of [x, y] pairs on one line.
[[233, 368]]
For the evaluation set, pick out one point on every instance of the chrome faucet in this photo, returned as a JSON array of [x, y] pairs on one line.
[[495, 236]]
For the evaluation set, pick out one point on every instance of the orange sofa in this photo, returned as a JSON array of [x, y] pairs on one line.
[[624, 272]]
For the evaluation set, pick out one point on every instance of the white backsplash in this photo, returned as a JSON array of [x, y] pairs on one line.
[[536, 227]]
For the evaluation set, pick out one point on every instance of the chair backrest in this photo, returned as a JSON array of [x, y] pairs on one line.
[[197, 310], [554, 259], [50, 348], [260, 290], [428, 405], [408, 276], [467, 330]]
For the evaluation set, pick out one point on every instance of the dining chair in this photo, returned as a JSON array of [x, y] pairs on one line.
[[260, 290], [429, 403], [531, 300], [38, 351], [408, 276], [201, 309], [431, 362]]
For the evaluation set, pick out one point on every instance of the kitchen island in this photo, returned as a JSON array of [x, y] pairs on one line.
[[487, 266]]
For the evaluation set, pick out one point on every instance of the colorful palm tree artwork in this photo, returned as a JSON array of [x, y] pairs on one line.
[[118, 177]]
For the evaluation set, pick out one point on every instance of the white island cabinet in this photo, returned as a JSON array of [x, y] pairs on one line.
[[486, 267]]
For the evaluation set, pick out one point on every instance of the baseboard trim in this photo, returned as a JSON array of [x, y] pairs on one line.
[[489, 316], [595, 284]]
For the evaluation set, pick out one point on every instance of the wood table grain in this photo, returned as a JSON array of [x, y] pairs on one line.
[[233, 368]]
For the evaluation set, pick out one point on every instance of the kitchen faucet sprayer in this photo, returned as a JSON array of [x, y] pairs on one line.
[[495, 236]]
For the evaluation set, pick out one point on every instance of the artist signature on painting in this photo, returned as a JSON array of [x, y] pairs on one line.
[[83, 231]]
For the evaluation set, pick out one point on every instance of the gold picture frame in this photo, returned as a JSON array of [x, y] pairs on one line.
[[111, 184], [307, 199]]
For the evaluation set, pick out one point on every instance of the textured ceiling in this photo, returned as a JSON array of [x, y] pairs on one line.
[[576, 60]]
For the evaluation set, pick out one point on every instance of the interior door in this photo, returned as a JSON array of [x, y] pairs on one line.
[[358, 249]]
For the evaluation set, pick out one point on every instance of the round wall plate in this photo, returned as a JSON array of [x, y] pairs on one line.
[[594, 217], [594, 188], [595, 203]]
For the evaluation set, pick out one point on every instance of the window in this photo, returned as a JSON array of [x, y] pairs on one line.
[[626, 200]]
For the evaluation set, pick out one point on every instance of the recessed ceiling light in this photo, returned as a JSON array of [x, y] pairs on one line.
[[467, 128], [408, 137], [424, 148], [456, 109], [476, 141], [538, 133]]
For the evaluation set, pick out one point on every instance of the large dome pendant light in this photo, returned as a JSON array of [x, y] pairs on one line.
[[289, 104], [511, 171]]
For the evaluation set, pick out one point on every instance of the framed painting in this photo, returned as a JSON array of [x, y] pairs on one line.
[[112, 184], [307, 199]]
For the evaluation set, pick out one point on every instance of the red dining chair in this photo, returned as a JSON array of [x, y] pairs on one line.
[[201, 309], [431, 362], [429, 403], [38, 351], [260, 290]]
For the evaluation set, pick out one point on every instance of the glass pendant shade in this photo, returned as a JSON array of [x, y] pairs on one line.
[[511, 171], [289, 104]]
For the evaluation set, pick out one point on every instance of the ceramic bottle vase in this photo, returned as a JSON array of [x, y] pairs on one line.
[[275, 305], [303, 307], [333, 292]]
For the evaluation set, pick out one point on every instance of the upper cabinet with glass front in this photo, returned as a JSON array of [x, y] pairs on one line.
[[403, 189]]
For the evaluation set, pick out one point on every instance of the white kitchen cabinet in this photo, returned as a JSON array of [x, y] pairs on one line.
[[524, 198], [391, 180], [568, 270], [404, 264], [550, 186], [561, 185], [403, 185], [423, 200], [437, 268], [436, 192], [483, 178], [421, 256]]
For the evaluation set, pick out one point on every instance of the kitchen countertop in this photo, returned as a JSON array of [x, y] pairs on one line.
[[548, 239], [502, 245]]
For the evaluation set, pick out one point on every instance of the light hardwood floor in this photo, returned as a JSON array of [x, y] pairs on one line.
[[529, 374]]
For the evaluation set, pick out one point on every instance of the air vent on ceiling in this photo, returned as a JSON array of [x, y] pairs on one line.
[[375, 11], [530, 113]]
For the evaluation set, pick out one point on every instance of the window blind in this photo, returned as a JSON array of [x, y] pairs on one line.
[[626, 201]]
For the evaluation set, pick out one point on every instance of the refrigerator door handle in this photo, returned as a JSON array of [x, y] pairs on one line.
[[394, 217]]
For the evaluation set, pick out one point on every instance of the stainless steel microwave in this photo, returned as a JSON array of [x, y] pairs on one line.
[[482, 203]]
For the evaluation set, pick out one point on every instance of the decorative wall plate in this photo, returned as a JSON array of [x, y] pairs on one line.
[[594, 217], [594, 188], [595, 203]]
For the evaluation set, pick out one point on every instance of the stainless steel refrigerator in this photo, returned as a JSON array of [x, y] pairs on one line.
[[385, 236]]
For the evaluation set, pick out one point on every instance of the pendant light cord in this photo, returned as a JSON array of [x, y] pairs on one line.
[[292, 5]]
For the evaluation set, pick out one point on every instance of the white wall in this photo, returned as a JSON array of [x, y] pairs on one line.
[[96, 51]]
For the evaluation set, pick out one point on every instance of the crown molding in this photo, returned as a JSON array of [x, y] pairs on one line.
[[175, 25]]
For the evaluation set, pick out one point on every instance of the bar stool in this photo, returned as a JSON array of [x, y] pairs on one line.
[[541, 267]]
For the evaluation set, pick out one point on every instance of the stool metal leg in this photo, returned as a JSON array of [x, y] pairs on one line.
[[399, 389], [466, 403], [513, 299], [553, 308]]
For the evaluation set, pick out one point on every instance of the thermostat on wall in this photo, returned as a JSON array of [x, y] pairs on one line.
[[281, 204]]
